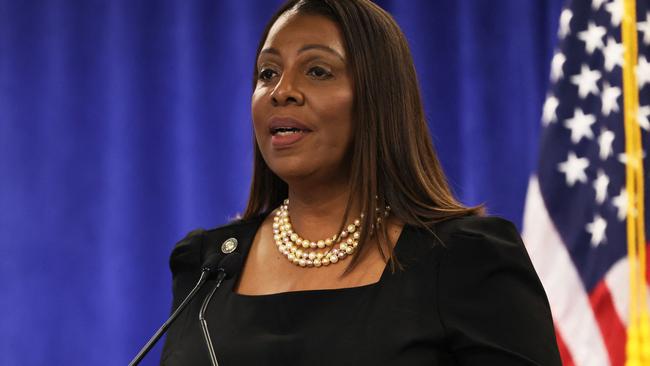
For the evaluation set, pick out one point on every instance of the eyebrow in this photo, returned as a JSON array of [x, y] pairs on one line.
[[307, 47]]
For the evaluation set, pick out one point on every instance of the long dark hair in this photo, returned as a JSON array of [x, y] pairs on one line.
[[393, 159]]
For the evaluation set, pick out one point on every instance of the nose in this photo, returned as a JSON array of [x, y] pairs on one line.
[[287, 92]]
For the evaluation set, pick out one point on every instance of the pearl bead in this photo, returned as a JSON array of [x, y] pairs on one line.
[[295, 248]]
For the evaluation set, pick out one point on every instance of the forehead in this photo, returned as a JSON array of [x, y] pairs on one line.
[[293, 30]]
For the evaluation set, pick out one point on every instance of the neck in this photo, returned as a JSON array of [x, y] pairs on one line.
[[316, 211]]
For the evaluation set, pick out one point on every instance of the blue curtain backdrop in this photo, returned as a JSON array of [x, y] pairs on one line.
[[124, 124]]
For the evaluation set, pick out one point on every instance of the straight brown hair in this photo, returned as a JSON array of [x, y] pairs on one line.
[[393, 160]]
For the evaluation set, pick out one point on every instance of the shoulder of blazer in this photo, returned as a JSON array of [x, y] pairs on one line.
[[190, 252]]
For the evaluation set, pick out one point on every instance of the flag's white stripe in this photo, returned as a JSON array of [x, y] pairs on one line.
[[617, 281], [569, 302], [619, 288]]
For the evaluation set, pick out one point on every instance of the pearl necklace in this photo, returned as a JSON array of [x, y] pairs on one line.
[[302, 252]]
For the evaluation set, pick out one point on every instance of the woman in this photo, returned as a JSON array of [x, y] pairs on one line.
[[356, 252]]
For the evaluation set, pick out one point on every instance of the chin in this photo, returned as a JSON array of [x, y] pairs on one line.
[[290, 169]]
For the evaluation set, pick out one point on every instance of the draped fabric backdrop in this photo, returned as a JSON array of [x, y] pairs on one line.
[[124, 124]]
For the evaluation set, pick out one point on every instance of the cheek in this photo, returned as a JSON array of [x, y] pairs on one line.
[[336, 112], [257, 110]]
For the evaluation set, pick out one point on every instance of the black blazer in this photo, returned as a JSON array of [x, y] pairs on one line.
[[468, 295]]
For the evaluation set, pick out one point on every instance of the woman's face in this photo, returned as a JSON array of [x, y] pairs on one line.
[[302, 103]]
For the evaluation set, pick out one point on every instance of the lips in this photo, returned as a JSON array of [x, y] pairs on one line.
[[283, 125], [286, 131]]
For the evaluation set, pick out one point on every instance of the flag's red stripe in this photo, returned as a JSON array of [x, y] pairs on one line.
[[565, 354], [611, 326]]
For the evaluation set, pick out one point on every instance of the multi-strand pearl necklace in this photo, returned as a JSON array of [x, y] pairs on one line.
[[305, 253]]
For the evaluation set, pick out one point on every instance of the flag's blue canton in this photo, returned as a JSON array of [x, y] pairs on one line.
[[582, 170]]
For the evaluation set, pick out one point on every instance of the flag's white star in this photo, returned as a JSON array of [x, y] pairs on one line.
[[586, 81], [574, 169], [621, 203], [644, 27], [609, 98], [550, 107], [597, 230], [600, 185], [593, 37], [580, 125], [615, 10], [634, 160], [565, 23], [605, 140], [556, 66], [613, 53], [643, 72], [596, 4], [642, 117]]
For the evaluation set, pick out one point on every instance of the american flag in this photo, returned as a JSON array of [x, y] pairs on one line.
[[576, 216]]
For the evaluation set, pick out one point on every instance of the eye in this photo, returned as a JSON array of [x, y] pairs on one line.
[[319, 73], [266, 74]]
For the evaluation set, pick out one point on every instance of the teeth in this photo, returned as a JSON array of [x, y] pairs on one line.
[[283, 131], [289, 132]]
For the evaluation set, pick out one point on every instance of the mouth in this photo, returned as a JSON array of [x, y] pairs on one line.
[[286, 132]]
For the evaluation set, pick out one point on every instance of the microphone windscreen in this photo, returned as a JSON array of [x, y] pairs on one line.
[[231, 264], [211, 263]]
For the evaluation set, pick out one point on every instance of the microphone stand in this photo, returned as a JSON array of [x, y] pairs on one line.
[[152, 341], [204, 324]]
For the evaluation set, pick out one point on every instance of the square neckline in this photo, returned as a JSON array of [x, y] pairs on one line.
[[339, 290]]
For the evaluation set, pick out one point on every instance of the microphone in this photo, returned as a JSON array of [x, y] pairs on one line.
[[228, 267], [208, 269]]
